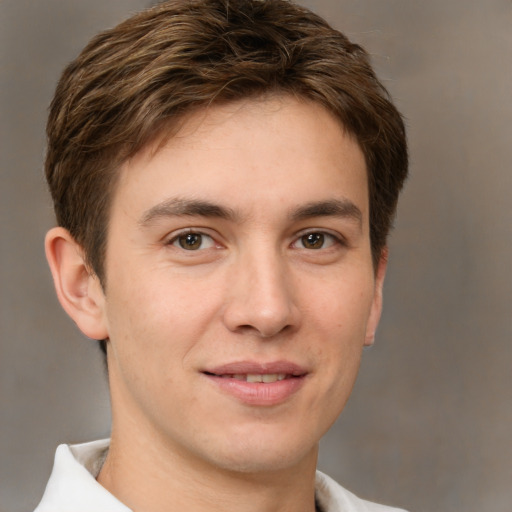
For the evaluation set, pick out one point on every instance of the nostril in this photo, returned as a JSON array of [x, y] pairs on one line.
[[260, 310]]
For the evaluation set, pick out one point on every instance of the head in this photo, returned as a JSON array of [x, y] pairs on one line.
[[199, 155], [139, 80]]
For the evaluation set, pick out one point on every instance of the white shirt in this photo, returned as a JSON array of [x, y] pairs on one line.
[[73, 486]]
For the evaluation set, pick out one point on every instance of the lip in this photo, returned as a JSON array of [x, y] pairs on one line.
[[258, 393]]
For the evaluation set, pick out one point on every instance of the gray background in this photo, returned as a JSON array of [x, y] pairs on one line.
[[429, 425]]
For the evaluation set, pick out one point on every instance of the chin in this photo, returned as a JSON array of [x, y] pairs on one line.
[[259, 464], [264, 455]]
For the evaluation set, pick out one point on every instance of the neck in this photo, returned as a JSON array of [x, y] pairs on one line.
[[157, 478], [150, 469]]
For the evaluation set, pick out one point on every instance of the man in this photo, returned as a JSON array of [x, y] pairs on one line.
[[224, 175]]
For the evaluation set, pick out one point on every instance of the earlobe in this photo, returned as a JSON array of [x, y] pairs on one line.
[[78, 290], [373, 320]]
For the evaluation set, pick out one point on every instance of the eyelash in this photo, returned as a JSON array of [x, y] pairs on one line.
[[335, 239], [175, 240]]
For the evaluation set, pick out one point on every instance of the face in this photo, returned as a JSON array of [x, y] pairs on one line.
[[240, 287]]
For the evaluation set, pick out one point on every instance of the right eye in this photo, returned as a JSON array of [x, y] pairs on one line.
[[192, 241], [316, 240]]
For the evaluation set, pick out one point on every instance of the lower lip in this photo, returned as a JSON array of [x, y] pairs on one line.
[[258, 393]]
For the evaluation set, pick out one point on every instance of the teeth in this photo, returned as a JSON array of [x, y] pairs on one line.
[[255, 377], [267, 377]]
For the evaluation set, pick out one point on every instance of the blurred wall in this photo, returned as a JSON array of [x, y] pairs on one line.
[[428, 427]]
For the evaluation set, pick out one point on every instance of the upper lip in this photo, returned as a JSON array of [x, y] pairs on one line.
[[257, 368]]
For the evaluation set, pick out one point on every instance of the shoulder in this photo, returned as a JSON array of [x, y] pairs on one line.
[[332, 497], [73, 486]]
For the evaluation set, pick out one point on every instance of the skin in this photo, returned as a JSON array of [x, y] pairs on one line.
[[250, 286]]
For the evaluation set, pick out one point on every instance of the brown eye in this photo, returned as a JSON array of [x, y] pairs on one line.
[[190, 241], [313, 240], [316, 240], [193, 241]]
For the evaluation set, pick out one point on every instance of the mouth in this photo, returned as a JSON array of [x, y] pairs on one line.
[[265, 378], [258, 384], [249, 371]]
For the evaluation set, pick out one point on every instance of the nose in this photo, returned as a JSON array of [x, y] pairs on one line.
[[260, 297]]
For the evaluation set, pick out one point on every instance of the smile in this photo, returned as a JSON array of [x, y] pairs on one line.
[[254, 377], [258, 384]]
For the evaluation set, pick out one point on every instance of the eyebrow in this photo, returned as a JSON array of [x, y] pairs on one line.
[[343, 208], [178, 207]]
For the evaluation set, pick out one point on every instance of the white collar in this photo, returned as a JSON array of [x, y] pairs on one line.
[[73, 486]]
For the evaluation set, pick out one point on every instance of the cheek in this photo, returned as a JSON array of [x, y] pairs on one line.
[[146, 349], [157, 316], [342, 306], [338, 317]]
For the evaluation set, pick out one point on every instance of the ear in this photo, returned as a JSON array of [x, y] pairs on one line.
[[78, 289], [376, 310]]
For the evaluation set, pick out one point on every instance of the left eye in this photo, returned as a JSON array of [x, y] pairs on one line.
[[316, 240], [193, 241]]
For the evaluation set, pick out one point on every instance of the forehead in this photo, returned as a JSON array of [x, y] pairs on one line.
[[252, 153]]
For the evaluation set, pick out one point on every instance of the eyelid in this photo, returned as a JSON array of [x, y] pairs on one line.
[[338, 237], [171, 238]]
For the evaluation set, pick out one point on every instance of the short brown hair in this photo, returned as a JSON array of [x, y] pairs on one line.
[[131, 83]]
